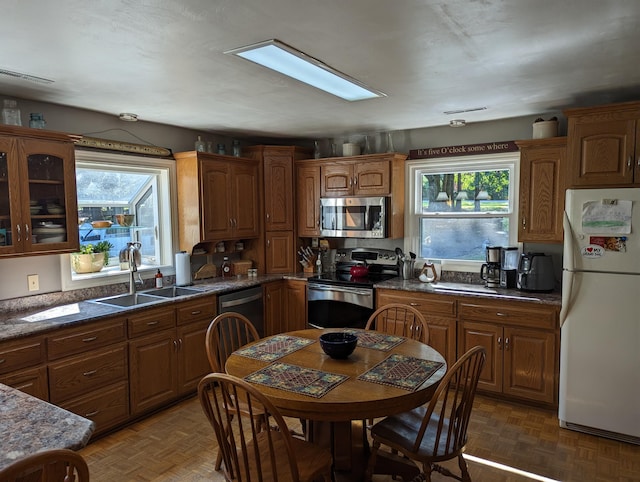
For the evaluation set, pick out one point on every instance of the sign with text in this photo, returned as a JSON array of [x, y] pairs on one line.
[[465, 150]]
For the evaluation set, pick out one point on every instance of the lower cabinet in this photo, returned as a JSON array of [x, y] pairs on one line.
[[167, 356], [521, 344], [285, 306], [88, 373], [23, 366], [438, 310]]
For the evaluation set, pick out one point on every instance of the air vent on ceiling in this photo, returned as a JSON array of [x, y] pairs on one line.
[[20, 75], [449, 112]]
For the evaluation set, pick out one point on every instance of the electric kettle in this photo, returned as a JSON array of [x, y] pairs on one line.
[[535, 272]]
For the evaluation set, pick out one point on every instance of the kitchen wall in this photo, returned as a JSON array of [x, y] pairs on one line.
[[14, 271]]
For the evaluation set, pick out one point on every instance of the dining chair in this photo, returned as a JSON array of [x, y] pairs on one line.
[[252, 452], [399, 319], [56, 465], [226, 333], [438, 431]]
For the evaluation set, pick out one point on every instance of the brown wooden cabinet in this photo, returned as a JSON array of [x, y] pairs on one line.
[[218, 198], [277, 238], [521, 343], [438, 310], [37, 186], [88, 371], [167, 355], [542, 189], [363, 177], [604, 145], [308, 200], [23, 366], [285, 306], [367, 175]]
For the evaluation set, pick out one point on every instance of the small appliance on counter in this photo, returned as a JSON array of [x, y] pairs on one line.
[[490, 271], [508, 267], [535, 272]]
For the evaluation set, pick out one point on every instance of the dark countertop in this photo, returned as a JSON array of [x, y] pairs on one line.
[[30, 425], [471, 290], [16, 324]]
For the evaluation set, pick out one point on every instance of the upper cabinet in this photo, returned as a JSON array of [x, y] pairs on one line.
[[542, 187], [38, 203], [361, 176], [217, 198], [604, 146]]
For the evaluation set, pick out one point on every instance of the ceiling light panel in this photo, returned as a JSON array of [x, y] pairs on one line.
[[295, 64]]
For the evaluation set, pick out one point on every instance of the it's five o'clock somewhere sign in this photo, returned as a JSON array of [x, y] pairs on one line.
[[463, 150]]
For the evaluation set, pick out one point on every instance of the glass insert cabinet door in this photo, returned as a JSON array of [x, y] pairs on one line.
[[38, 213]]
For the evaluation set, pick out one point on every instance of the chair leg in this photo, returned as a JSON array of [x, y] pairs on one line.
[[372, 461], [218, 465], [462, 463]]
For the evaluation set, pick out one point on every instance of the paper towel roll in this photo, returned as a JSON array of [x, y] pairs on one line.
[[183, 269]]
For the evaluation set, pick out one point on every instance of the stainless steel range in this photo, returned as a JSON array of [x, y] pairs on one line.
[[346, 298]]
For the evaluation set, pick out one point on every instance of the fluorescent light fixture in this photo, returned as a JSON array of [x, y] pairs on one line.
[[282, 58]]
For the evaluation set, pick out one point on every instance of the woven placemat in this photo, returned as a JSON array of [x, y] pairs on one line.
[[401, 371], [274, 348], [376, 340], [292, 378]]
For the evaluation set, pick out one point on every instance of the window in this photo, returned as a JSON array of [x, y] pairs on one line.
[[110, 185], [459, 206]]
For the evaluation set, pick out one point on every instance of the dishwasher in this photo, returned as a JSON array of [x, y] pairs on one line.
[[247, 302]]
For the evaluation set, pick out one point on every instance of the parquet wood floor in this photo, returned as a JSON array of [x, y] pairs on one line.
[[178, 445]]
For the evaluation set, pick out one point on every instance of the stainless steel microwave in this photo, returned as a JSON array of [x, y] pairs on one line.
[[354, 217]]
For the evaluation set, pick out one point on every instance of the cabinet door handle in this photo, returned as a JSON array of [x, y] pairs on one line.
[[175, 345], [499, 343], [414, 304], [501, 314], [2, 360], [89, 339], [26, 232], [355, 181], [197, 312], [268, 216], [152, 323], [524, 222], [350, 181], [91, 414], [638, 163], [19, 232], [268, 243], [506, 343], [629, 161], [90, 373]]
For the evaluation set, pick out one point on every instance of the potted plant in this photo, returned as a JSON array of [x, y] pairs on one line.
[[91, 258]]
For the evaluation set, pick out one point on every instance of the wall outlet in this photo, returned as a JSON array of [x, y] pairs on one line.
[[33, 282]]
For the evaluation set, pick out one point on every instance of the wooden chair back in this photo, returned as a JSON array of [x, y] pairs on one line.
[[226, 333], [444, 426], [250, 452], [59, 465], [399, 319]]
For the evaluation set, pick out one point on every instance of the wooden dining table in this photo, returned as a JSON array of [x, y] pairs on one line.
[[384, 375]]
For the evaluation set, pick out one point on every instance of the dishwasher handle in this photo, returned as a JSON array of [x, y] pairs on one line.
[[240, 301]]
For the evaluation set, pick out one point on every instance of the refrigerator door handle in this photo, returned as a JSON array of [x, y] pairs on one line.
[[568, 243], [567, 288]]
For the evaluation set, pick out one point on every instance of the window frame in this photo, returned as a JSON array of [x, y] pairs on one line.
[[413, 212], [167, 212]]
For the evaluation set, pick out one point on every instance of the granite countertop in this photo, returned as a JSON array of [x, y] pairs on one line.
[[471, 290], [30, 425], [56, 314]]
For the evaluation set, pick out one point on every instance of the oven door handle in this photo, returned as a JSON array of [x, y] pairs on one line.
[[341, 289]]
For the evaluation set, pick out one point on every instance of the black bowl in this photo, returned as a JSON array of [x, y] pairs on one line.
[[338, 344]]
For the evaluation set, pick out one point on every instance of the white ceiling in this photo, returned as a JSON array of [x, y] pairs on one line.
[[163, 59]]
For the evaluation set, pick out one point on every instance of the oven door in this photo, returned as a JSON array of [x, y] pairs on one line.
[[335, 306]]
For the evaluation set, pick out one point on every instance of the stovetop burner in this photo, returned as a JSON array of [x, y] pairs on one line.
[[381, 263]]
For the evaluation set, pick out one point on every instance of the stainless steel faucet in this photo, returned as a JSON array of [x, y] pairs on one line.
[[133, 269]]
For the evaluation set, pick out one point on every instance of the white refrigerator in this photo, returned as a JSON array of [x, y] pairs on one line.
[[600, 316]]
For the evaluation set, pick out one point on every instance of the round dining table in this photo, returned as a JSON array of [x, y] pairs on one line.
[[353, 398]]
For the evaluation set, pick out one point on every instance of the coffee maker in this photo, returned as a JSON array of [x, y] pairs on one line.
[[508, 267], [490, 271]]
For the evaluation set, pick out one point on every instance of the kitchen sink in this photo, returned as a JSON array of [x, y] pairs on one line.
[[173, 292], [128, 300]]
